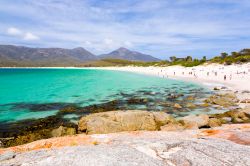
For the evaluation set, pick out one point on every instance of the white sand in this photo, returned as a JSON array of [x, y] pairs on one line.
[[237, 76]]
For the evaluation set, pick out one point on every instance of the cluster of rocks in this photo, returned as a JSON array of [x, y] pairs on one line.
[[102, 120], [223, 99], [132, 120]]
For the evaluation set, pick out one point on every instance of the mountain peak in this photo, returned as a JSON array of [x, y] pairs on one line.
[[79, 48], [126, 54], [123, 48]]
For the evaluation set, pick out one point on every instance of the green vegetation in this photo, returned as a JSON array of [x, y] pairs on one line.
[[187, 62], [120, 62], [235, 57]]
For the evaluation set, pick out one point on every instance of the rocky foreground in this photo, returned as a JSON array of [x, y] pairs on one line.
[[134, 137], [226, 145], [181, 141]]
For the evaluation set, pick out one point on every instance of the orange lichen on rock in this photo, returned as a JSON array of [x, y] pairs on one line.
[[57, 142], [209, 132], [239, 140]]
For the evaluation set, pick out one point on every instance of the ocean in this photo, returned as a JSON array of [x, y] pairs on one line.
[[39, 93]]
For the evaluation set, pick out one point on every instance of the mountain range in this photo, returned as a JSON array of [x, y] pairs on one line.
[[11, 55]]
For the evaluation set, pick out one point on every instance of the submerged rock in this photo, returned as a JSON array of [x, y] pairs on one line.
[[190, 105], [137, 101], [178, 106], [217, 88], [174, 96], [225, 100], [205, 105], [68, 109], [190, 98]]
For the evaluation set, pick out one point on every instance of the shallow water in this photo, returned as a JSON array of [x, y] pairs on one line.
[[38, 93]]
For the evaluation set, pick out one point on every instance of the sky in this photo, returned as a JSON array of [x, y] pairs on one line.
[[161, 28]]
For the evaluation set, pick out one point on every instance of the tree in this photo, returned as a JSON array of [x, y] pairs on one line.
[[189, 58], [245, 51], [204, 58], [234, 54], [224, 55], [172, 58]]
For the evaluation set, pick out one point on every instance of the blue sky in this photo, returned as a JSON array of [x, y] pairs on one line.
[[161, 28]]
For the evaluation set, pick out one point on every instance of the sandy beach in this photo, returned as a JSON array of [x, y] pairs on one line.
[[235, 77]]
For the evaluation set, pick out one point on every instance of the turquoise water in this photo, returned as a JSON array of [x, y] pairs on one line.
[[22, 90]]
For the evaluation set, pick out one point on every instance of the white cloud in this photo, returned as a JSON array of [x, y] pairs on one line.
[[162, 27], [30, 36], [128, 44], [14, 31], [108, 41]]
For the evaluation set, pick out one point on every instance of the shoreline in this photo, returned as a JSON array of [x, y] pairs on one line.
[[238, 80], [210, 76]]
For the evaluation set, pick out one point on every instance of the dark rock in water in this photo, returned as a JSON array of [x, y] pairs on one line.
[[205, 105], [217, 88], [190, 105], [137, 101], [149, 93], [165, 104], [69, 109], [174, 96], [31, 130], [190, 98], [109, 106], [39, 107], [225, 100], [178, 106]]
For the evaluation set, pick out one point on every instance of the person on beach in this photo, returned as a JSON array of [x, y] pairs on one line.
[[225, 77], [195, 75]]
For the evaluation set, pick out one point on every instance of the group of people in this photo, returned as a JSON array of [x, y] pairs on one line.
[[218, 73]]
